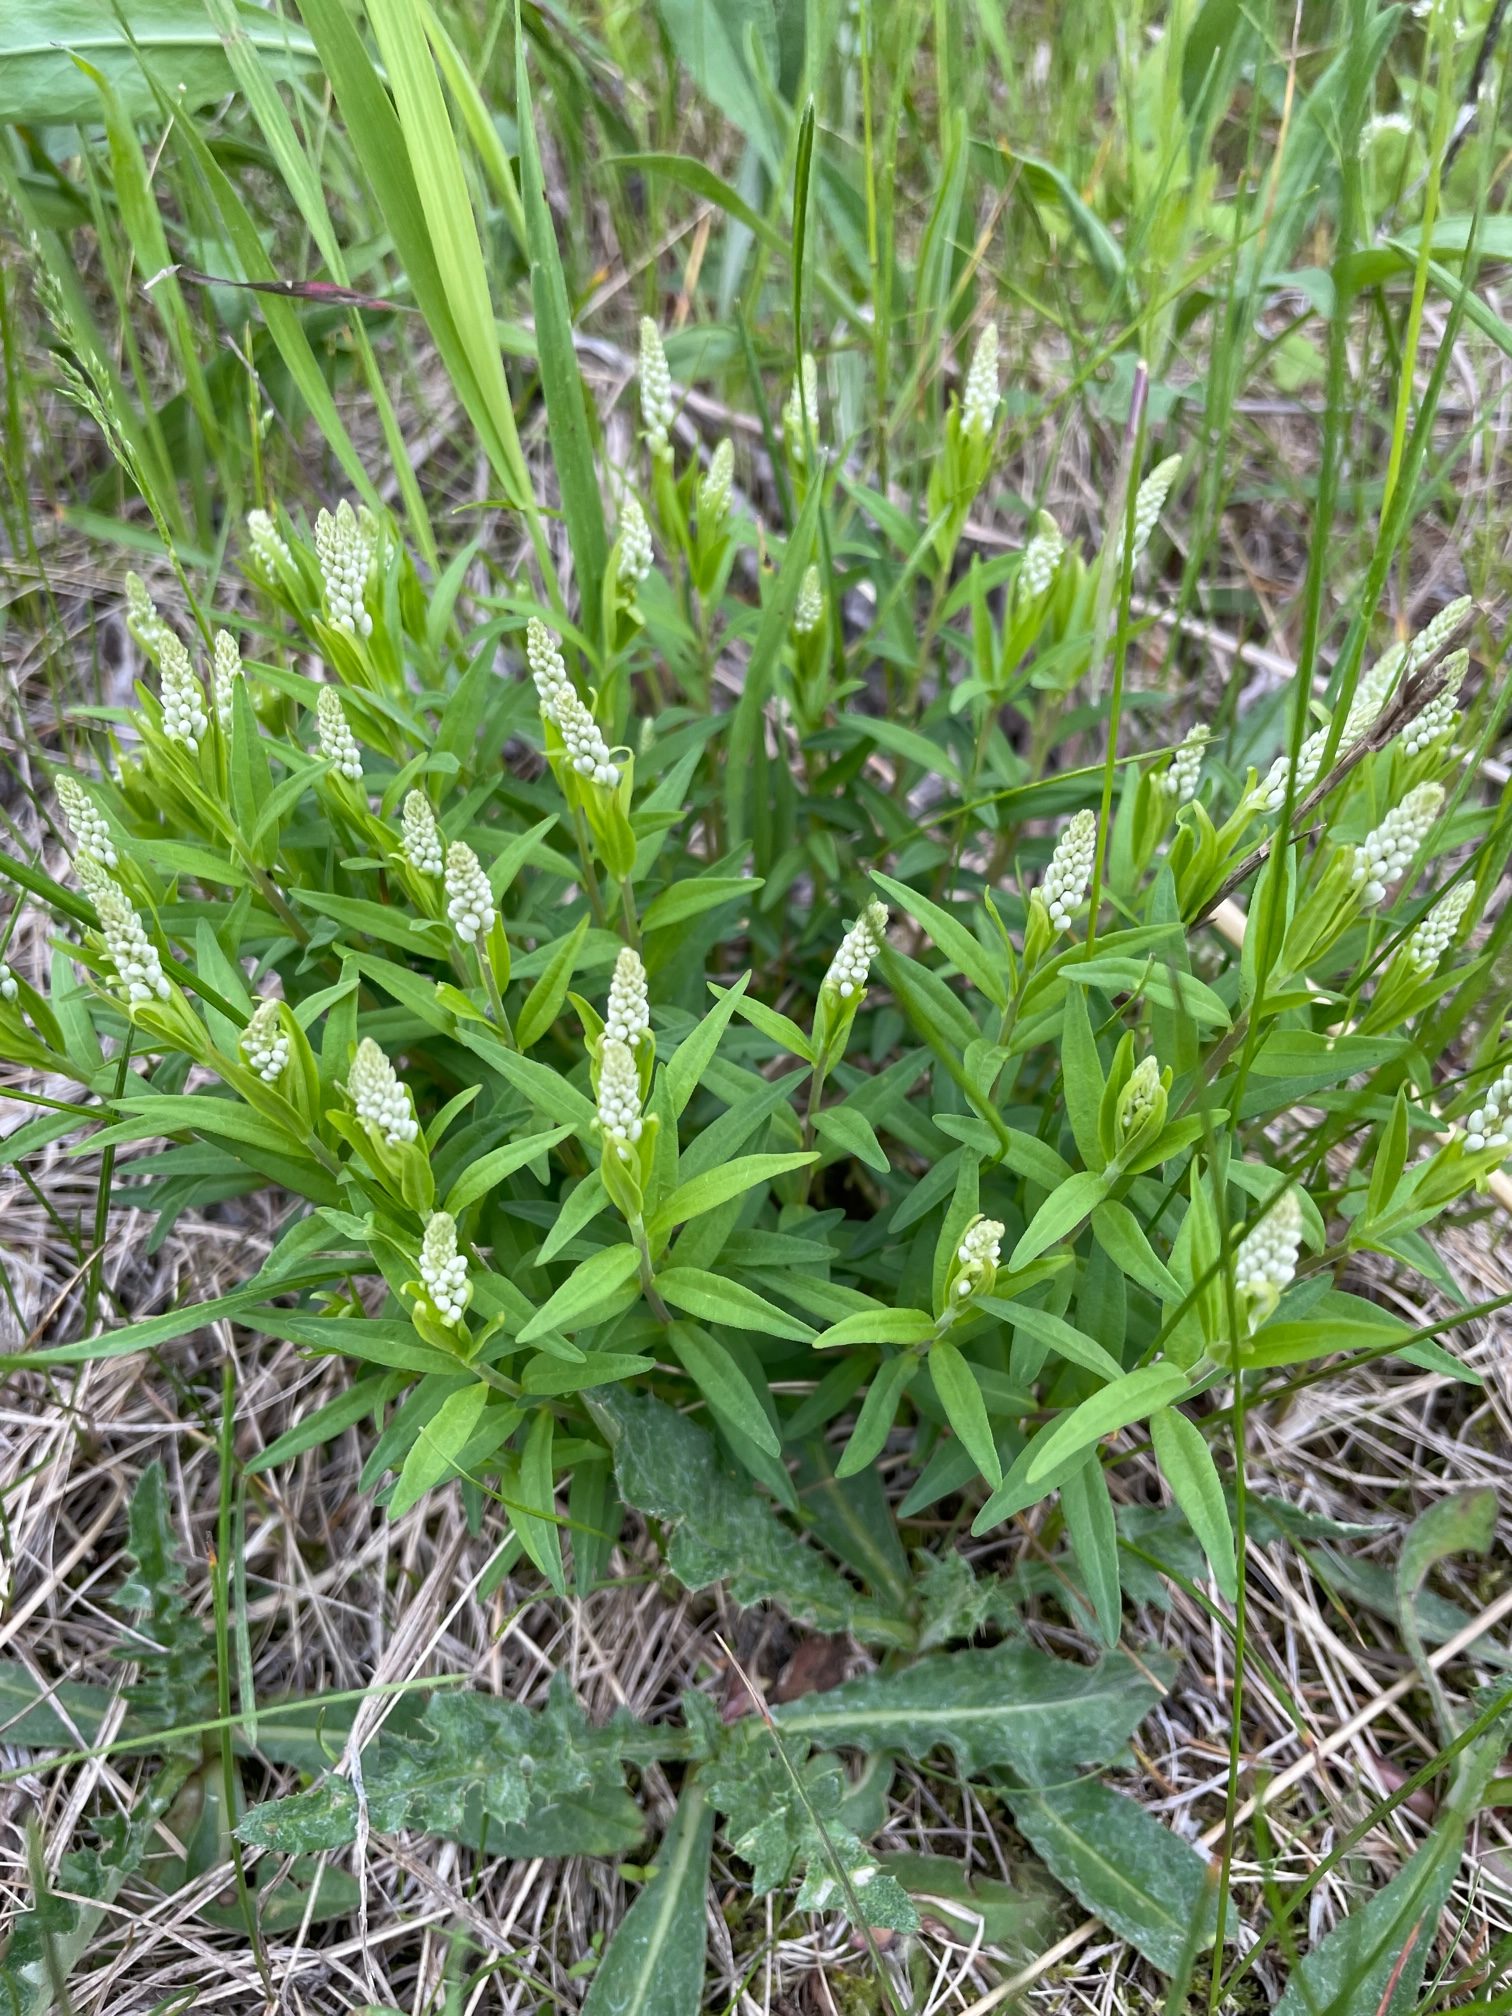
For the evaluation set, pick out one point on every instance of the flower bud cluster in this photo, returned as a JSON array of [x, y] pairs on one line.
[[851, 964], [1490, 1125], [443, 1269], [714, 489], [636, 553], [90, 830], [977, 1257], [142, 618], [345, 545], [980, 404], [421, 838], [1042, 558], [1388, 852], [1432, 938], [264, 1044], [380, 1098], [8, 987], [1266, 1262], [1064, 888], [267, 548], [181, 695], [808, 610], [1184, 773], [629, 1013], [1437, 719], [619, 1100], [1139, 1097], [587, 751], [337, 742], [469, 900], [801, 402], [132, 952], [225, 670], [658, 408]]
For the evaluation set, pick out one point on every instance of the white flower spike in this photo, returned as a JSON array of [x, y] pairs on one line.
[[977, 1256], [380, 1097], [637, 554], [802, 400], [181, 695], [142, 618], [562, 705], [90, 831], [1266, 1263], [808, 610], [1042, 558], [8, 987], [344, 545], [1184, 773], [1388, 852], [1064, 888], [980, 404], [267, 548], [443, 1269], [1432, 938], [1438, 718], [264, 1044], [658, 408], [226, 669], [1434, 635], [851, 965], [629, 1013], [132, 952], [337, 742], [1490, 1125], [548, 668], [619, 1103], [714, 489], [469, 900], [421, 835]]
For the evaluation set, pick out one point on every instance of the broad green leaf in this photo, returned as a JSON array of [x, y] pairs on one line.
[[365, 1397], [1082, 1077], [692, 1057], [531, 1501], [878, 1326], [1011, 1707], [1059, 1216], [714, 1299], [1187, 1465], [1124, 1240], [783, 1031], [1128, 1398], [594, 1282], [722, 1383], [547, 1090], [852, 1133], [654, 1965], [1144, 1882], [878, 1410], [1058, 1336], [484, 1175], [690, 898], [436, 1448], [1088, 1512], [961, 1397], [959, 944], [717, 1186], [544, 1001]]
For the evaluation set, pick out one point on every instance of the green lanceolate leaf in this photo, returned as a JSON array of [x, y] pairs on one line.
[[1187, 1465], [654, 1965], [715, 1299], [1088, 1512], [723, 1385], [593, 1285], [961, 1397], [718, 1186], [1128, 1398], [878, 1326]]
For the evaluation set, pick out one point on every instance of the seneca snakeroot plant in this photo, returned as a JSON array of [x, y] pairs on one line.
[[421, 835], [469, 901], [90, 828], [337, 742], [267, 548], [1266, 1262], [182, 696], [800, 412], [619, 1099], [980, 404], [225, 670], [1181, 779], [133, 954], [378, 1096], [715, 487], [344, 542], [1064, 889], [628, 1016], [1388, 852], [637, 555], [1489, 1125], [808, 610], [264, 1044], [1432, 938], [443, 1269], [658, 408], [851, 965]]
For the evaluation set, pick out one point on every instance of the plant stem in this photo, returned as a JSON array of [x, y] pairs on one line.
[[495, 998]]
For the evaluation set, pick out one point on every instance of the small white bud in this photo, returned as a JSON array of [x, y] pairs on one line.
[[1042, 558], [636, 553], [1438, 718], [337, 742], [587, 750], [443, 1269], [658, 408], [90, 830], [629, 1013], [802, 401], [714, 489], [267, 549], [421, 836], [1388, 852], [980, 404], [1179, 780], [181, 695], [1432, 938], [8, 987], [143, 620], [226, 669], [977, 1257], [264, 1044], [808, 610], [132, 953], [1432, 638], [1490, 1125], [619, 1102], [1064, 888], [469, 900], [548, 668], [1272, 789], [379, 1097], [851, 965], [344, 545]]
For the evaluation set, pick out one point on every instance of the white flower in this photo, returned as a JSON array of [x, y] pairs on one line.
[[1149, 502], [469, 900], [658, 408], [267, 548], [344, 545], [714, 489], [635, 549], [587, 750], [1064, 888], [1387, 853], [181, 695], [1431, 940], [802, 401], [1371, 694], [1266, 1262], [264, 1044], [1490, 1125], [619, 1103], [977, 1255], [132, 952], [1432, 638], [1272, 789], [379, 1097], [808, 610], [8, 988], [979, 406], [852, 963], [629, 1014], [226, 669], [421, 836], [1438, 718], [142, 618], [443, 1269], [1042, 558], [548, 668], [337, 743], [1184, 773], [90, 831]]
